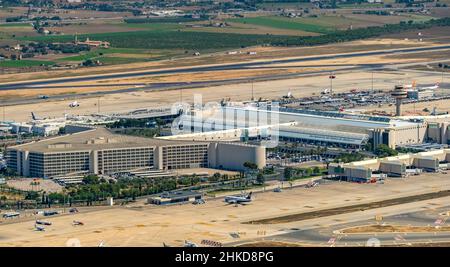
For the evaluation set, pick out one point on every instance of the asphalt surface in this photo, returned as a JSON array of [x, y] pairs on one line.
[[169, 86], [327, 236], [234, 66]]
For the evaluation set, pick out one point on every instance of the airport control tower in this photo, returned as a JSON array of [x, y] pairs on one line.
[[399, 93]]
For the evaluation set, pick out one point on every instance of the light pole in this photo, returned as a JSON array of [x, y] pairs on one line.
[[372, 81], [252, 91], [331, 77]]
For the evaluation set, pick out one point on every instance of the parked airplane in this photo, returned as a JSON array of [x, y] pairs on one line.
[[43, 222], [74, 104], [435, 86], [239, 199], [11, 215], [50, 212]]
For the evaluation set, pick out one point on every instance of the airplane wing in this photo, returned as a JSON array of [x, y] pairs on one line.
[[231, 201]]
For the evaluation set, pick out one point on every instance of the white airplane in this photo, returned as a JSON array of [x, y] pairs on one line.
[[435, 86], [238, 199], [74, 104]]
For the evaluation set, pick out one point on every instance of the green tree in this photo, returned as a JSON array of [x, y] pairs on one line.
[[250, 165], [316, 170], [215, 177], [260, 178], [91, 179], [288, 173], [385, 151]]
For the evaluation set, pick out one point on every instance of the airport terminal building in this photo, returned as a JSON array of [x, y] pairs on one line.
[[99, 151], [310, 126]]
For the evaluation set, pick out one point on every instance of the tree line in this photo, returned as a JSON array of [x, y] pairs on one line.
[[362, 33]]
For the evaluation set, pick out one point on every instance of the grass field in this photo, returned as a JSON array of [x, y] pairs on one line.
[[111, 56], [23, 63]]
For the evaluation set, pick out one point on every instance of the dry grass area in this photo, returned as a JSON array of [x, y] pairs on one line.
[[435, 34], [12, 12], [443, 55], [16, 94], [44, 184], [379, 228], [202, 76], [97, 26], [113, 85], [63, 13], [422, 245]]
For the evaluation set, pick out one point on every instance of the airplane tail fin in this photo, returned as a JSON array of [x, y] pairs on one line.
[[249, 196], [33, 116]]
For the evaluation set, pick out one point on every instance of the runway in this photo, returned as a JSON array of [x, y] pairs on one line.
[[173, 85], [233, 66]]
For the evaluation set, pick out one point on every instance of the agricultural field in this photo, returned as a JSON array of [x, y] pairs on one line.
[[23, 63], [302, 24], [287, 5], [324, 24], [200, 41], [10, 31], [167, 38]]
